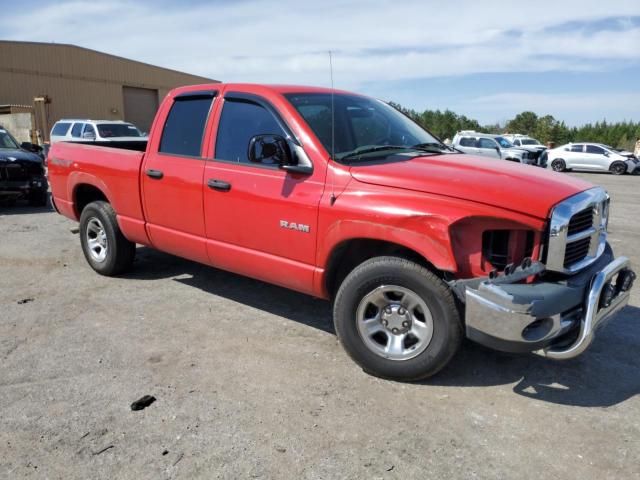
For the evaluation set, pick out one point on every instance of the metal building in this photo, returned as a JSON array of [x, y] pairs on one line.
[[66, 81]]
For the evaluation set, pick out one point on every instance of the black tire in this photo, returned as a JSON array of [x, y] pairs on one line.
[[119, 252], [618, 168], [558, 165], [39, 198], [381, 271]]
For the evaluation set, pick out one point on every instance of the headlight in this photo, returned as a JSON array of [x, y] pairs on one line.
[[604, 216], [502, 247]]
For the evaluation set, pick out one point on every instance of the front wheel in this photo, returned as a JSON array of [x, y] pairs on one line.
[[396, 319], [618, 168], [105, 248], [558, 165]]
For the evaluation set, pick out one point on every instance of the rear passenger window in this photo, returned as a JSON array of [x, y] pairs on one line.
[[576, 148], [467, 142], [60, 129], [76, 131], [240, 121], [184, 128]]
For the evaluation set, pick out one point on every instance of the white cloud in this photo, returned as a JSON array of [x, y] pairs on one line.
[[373, 40], [286, 41]]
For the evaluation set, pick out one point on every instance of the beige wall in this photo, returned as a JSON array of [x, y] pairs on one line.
[[80, 82], [19, 124]]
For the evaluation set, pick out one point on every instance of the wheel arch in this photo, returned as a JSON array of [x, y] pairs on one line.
[[85, 193], [349, 253]]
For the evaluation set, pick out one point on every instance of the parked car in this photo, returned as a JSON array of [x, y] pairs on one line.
[[526, 142], [416, 244], [594, 157], [75, 130], [21, 171], [494, 146]]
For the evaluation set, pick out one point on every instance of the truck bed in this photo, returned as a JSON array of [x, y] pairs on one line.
[[112, 169]]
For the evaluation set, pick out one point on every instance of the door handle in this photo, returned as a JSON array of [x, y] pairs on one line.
[[219, 185], [157, 174]]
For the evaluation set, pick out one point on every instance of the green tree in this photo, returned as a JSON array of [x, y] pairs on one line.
[[525, 123], [545, 128]]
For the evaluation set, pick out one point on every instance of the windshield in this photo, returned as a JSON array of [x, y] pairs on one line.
[[504, 143], [529, 141], [363, 126], [108, 130], [7, 141]]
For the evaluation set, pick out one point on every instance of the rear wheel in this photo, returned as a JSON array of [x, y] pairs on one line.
[[618, 168], [558, 165], [105, 248], [397, 319]]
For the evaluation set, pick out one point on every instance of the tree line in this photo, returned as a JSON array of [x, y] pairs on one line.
[[546, 128]]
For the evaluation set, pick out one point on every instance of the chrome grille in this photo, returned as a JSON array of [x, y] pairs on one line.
[[578, 231], [581, 221], [576, 251]]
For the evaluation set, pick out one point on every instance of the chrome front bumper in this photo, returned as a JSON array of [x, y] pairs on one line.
[[557, 320]]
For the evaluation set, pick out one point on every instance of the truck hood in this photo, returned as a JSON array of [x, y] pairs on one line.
[[9, 155], [522, 188]]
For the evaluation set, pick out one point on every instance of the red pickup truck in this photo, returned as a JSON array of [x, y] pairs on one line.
[[342, 197]]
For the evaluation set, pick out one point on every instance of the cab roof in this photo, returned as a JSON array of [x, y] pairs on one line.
[[277, 88]]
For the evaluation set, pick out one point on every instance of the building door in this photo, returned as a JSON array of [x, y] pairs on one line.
[[140, 106]]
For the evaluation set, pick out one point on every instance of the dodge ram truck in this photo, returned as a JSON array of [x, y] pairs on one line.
[[342, 197]]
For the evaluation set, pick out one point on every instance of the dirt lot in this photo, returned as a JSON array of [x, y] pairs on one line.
[[251, 383]]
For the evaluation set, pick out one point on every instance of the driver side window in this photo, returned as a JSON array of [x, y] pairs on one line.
[[240, 121], [487, 143]]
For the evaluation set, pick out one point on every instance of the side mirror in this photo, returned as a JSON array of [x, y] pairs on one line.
[[497, 149], [89, 136], [274, 150]]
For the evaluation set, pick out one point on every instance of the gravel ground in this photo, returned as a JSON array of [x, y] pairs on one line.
[[251, 382]]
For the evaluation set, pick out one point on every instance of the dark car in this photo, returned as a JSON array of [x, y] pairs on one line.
[[21, 171]]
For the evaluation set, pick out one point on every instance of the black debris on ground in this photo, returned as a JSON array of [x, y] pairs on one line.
[[143, 402], [109, 447]]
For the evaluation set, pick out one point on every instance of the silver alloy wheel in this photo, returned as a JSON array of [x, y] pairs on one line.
[[96, 239], [394, 322]]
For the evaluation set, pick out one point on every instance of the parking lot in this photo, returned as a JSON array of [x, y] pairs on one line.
[[251, 382]]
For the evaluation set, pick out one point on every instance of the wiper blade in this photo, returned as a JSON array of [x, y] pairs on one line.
[[433, 147], [364, 150]]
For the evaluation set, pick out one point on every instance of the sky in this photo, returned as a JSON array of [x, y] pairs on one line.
[[576, 60]]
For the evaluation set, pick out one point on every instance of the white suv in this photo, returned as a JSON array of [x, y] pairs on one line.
[[75, 130], [488, 145], [526, 142], [594, 157]]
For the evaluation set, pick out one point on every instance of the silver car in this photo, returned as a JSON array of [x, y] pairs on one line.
[[594, 157], [488, 145]]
